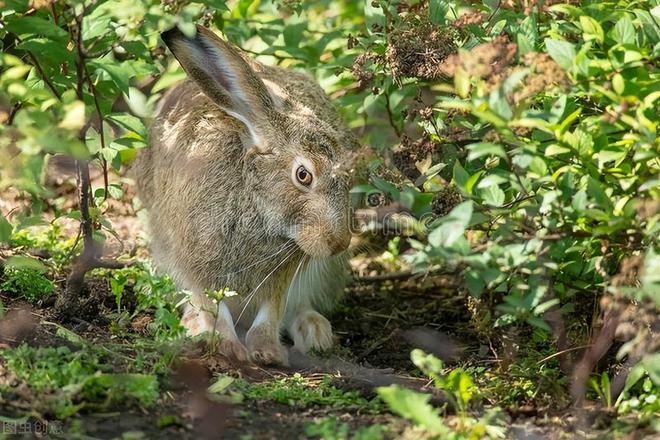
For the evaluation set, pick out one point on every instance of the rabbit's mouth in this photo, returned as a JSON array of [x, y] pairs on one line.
[[316, 242]]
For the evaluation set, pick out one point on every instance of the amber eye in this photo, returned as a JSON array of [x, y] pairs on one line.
[[303, 176]]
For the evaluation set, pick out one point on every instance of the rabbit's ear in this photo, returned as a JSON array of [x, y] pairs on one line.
[[223, 75]]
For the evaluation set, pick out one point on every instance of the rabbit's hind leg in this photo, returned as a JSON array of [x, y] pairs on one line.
[[201, 315], [263, 337]]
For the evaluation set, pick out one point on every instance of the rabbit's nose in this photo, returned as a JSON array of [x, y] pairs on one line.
[[338, 244]]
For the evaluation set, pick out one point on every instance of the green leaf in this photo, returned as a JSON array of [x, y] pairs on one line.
[[579, 202], [428, 363], [438, 11], [31, 25], [527, 36], [373, 14], [474, 283], [452, 226], [545, 306], [624, 31], [413, 406], [634, 376], [618, 84], [651, 363], [130, 123], [562, 52], [537, 322], [493, 195], [460, 175], [595, 190], [21, 261], [481, 149], [5, 229], [219, 386], [120, 74], [293, 33], [45, 48], [385, 186], [592, 29]]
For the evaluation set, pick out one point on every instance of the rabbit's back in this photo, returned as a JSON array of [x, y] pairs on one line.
[[187, 179]]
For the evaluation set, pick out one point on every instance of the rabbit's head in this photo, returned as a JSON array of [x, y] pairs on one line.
[[291, 148]]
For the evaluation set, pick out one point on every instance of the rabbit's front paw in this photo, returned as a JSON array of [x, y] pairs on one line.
[[197, 322], [234, 349], [311, 330], [265, 348]]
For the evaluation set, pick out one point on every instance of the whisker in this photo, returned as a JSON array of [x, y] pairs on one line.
[[285, 246], [253, 293], [293, 279]]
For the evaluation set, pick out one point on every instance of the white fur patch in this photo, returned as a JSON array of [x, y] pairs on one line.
[[262, 315]]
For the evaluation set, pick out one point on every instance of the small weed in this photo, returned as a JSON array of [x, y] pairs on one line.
[[329, 428], [460, 391], [155, 293], [50, 239], [69, 381], [603, 388], [525, 380], [300, 392], [641, 391], [28, 283]]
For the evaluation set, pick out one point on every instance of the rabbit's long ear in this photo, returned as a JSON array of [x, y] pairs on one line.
[[223, 75]]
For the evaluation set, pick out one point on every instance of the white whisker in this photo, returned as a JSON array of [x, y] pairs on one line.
[[293, 280], [253, 293], [286, 246]]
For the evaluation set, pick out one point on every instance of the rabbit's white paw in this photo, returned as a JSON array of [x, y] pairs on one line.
[[265, 348], [197, 322], [311, 330], [234, 349]]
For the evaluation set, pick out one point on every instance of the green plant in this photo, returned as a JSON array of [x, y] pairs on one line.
[[458, 385], [645, 376], [28, 283], [459, 389], [296, 391], [603, 389], [71, 380], [329, 428], [155, 293]]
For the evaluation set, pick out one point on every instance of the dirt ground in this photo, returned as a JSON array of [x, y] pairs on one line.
[[379, 320], [377, 325]]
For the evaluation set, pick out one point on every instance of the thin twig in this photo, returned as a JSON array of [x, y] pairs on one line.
[[104, 162], [401, 275], [390, 115], [43, 75], [568, 350], [13, 111]]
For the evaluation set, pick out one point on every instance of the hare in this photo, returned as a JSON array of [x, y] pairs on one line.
[[246, 187]]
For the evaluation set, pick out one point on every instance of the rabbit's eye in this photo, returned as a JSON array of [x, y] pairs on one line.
[[304, 177], [375, 199]]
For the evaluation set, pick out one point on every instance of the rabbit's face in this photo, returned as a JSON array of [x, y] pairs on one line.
[[293, 175], [305, 194]]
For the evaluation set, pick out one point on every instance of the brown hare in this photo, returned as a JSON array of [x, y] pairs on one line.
[[246, 187]]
